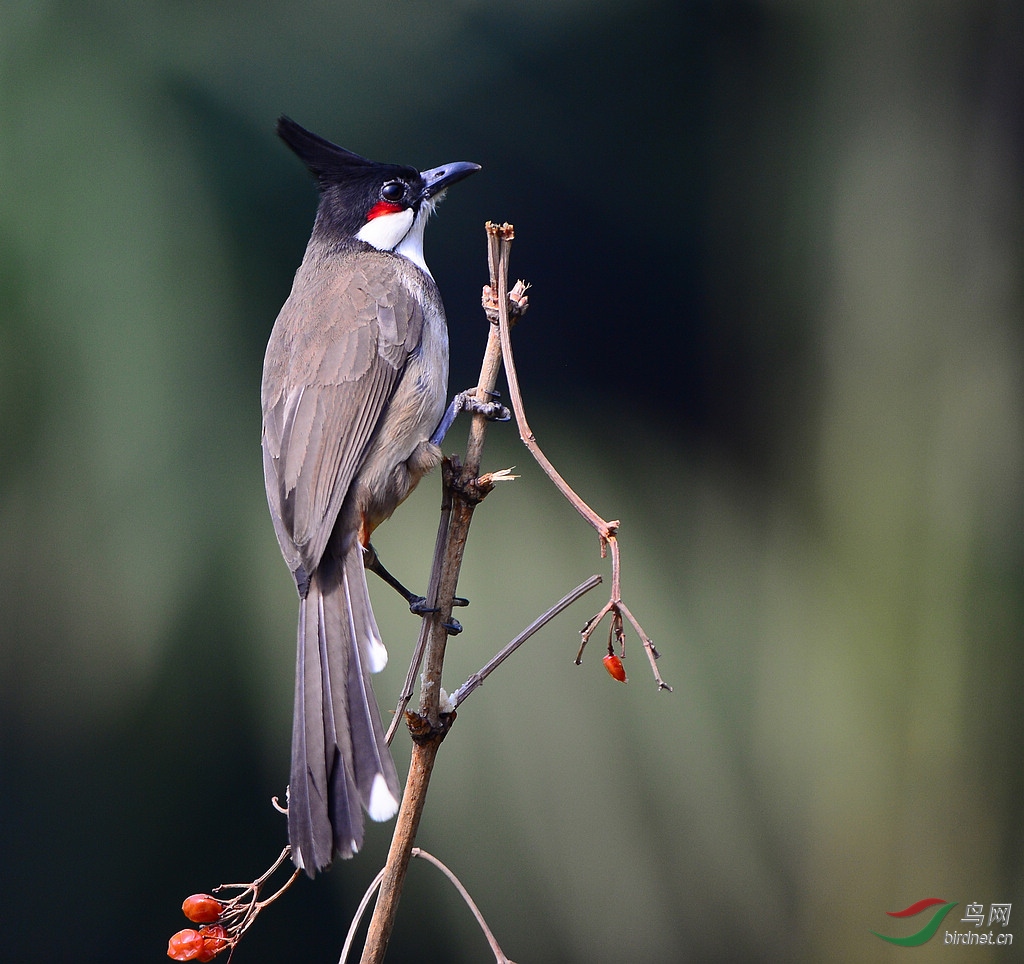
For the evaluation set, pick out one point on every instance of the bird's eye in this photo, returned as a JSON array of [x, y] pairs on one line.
[[392, 192]]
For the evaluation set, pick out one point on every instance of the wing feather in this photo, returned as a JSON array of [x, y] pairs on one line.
[[334, 359]]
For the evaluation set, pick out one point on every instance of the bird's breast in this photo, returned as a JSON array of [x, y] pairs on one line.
[[400, 452]]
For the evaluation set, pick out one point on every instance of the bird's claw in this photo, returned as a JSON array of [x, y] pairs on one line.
[[418, 606], [492, 411]]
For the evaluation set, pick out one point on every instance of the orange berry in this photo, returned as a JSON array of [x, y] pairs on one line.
[[186, 945], [215, 940], [616, 670], [202, 908]]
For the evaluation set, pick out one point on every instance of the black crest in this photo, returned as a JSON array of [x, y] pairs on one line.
[[331, 164]]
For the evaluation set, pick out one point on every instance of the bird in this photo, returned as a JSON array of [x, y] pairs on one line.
[[355, 381]]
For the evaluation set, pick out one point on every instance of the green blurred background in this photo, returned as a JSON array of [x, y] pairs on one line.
[[776, 251]]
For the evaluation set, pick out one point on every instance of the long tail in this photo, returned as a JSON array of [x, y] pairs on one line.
[[340, 761]]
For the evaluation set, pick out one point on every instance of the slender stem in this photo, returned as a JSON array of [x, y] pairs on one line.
[[459, 483], [464, 490], [607, 531], [358, 916], [603, 528], [440, 548], [499, 954], [383, 921], [477, 679]]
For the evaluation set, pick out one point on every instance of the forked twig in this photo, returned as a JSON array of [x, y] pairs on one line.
[[226, 917], [464, 487], [440, 548], [499, 954], [459, 696], [607, 532]]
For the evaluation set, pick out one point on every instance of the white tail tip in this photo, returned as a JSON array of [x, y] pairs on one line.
[[383, 805], [378, 655]]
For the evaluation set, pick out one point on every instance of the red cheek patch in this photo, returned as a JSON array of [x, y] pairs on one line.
[[382, 207]]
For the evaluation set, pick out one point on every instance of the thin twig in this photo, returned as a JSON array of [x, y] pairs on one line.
[[440, 548], [239, 913], [459, 696], [358, 916], [607, 531], [464, 488], [499, 954], [430, 726]]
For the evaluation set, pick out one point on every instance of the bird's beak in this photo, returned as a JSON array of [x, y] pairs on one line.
[[438, 178]]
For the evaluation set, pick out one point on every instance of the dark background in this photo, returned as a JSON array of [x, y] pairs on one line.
[[775, 251]]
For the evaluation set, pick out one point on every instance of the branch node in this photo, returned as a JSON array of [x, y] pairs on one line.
[[423, 732], [471, 490], [517, 303]]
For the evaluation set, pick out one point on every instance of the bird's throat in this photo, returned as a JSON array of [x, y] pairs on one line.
[[401, 232]]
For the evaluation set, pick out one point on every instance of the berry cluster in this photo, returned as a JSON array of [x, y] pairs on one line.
[[207, 942], [224, 921]]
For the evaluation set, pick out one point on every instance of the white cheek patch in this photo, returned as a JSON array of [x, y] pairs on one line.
[[411, 246], [386, 231]]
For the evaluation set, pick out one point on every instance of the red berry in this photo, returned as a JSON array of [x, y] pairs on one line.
[[215, 940], [186, 945], [202, 908], [616, 670]]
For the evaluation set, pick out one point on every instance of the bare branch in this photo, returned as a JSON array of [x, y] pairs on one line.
[[459, 696], [358, 916], [463, 489], [499, 954], [440, 548], [607, 531]]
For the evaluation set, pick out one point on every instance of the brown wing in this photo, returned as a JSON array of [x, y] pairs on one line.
[[338, 349]]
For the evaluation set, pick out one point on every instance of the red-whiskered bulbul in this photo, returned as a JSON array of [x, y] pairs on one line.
[[354, 387]]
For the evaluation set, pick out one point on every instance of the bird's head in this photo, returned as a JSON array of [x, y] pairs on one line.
[[385, 205]]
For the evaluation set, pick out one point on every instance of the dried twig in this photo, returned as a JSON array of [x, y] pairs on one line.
[[463, 488], [459, 696], [499, 954], [607, 531], [358, 916], [225, 917]]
